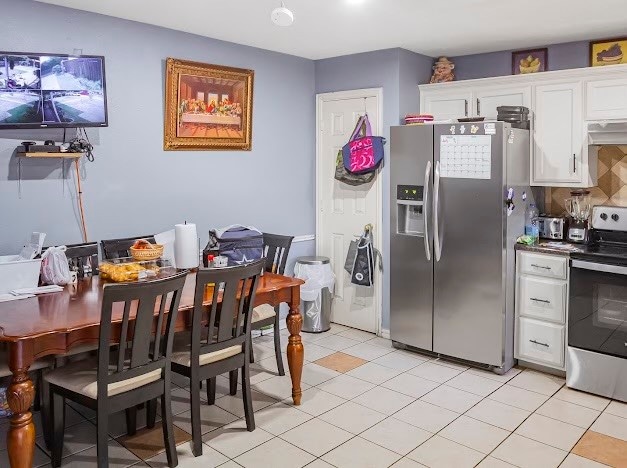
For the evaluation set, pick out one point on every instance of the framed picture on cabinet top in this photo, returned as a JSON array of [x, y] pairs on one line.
[[530, 61], [207, 107], [608, 52]]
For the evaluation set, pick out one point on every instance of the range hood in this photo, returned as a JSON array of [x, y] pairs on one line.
[[607, 132]]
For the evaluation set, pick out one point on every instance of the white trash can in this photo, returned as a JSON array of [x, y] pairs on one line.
[[317, 292]]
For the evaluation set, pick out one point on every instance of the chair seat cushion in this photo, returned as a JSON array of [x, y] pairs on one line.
[[182, 348], [263, 312], [81, 377]]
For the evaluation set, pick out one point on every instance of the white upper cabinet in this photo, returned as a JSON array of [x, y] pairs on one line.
[[558, 134], [606, 99], [560, 102], [447, 105], [487, 100]]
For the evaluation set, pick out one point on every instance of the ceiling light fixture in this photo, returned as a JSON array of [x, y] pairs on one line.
[[282, 16]]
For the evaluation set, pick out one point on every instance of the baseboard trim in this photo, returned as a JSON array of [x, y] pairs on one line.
[[305, 238]]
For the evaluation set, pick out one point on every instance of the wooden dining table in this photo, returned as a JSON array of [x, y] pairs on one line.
[[53, 324]]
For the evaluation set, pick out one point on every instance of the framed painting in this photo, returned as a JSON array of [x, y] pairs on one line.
[[530, 61], [207, 107], [608, 52]]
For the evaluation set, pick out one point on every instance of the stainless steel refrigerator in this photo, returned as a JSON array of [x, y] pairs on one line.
[[453, 231]]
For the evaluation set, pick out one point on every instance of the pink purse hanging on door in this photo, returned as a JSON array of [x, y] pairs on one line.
[[363, 154]]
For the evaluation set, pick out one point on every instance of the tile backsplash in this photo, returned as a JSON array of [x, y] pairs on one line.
[[612, 183]]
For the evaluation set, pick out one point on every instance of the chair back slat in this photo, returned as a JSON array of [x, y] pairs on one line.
[[142, 329], [157, 343], [139, 306], [276, 249], [232, 315], [124, 336], [119, 248]]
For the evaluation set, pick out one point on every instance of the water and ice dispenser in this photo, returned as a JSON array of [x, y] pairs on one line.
[[410, 213]]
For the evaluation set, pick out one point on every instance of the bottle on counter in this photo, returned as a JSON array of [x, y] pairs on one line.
[[532, 227]]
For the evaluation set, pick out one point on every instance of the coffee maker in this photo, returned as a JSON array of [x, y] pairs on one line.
[[578, 206]]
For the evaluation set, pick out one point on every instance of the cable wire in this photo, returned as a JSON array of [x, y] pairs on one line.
[[79, 191]]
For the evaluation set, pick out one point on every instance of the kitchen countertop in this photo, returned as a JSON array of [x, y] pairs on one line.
[[551, 247]]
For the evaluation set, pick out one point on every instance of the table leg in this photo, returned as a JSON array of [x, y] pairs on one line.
[[295, 349], [20, 396]]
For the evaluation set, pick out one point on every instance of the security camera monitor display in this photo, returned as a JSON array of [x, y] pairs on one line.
[[38, 90]]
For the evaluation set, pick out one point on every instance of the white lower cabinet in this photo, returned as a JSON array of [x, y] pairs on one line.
[[541, 306], [543, 298], [541, 342]]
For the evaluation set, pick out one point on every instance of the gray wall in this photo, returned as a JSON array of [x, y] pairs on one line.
[[134, 187], [398, 72], [561, 57]]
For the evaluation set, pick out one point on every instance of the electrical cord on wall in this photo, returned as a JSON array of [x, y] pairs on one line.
[[83, 145], [79, 192]]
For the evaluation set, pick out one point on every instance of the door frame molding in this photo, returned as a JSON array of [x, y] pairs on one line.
[[321, 98]]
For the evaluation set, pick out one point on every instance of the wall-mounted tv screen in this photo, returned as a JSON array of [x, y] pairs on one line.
[[52, 90]]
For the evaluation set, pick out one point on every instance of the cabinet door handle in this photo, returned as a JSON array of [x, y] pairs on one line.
[[540, 300], [538, 343], [466, 107], [540, 266], [574, 163], [478, 107]]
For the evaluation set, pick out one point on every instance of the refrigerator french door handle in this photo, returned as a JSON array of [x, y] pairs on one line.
[[425, 207], [436, 214]]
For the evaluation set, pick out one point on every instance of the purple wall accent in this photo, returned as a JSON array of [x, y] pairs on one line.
[[413, 68], [561, 57]]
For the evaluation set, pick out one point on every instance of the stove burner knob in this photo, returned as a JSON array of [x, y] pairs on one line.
[[615, 217], [603, 216]]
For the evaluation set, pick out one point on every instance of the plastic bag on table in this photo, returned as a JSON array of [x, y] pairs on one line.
[[54, 266]]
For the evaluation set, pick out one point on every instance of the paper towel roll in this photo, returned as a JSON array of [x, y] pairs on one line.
[[186, 246]]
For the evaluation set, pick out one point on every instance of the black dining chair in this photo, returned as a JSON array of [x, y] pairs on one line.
[[122, 376], [83, 258], [119, 248], [276, 249], [219, 342]]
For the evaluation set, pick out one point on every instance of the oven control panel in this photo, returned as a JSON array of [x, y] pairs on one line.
[[611, 218]]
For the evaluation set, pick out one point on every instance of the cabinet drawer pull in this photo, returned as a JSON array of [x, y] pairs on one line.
[[540, 266], [466, 107], [540, 300], [478, 107], [574, 163], [538, 343]]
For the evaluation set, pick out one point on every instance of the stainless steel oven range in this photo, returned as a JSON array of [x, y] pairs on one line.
[[597, 310]]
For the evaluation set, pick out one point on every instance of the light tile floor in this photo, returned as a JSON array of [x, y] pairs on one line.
[[368, 405]]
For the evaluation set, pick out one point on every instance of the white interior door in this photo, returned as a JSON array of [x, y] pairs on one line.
[[343, 210]]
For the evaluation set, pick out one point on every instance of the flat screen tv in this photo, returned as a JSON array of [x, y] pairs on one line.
[[52, 90]]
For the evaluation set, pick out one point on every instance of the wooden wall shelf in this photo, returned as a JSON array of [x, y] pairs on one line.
[[38, 154]]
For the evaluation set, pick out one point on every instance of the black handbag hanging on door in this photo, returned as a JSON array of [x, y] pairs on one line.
[[361, 259]]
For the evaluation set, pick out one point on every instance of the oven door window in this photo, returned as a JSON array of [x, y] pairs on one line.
[[597, 311]]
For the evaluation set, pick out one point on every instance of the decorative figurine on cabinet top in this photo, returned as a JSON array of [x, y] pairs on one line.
[[443, 71]]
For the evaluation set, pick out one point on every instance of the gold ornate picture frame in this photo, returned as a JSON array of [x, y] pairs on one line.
[[207, 107]]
